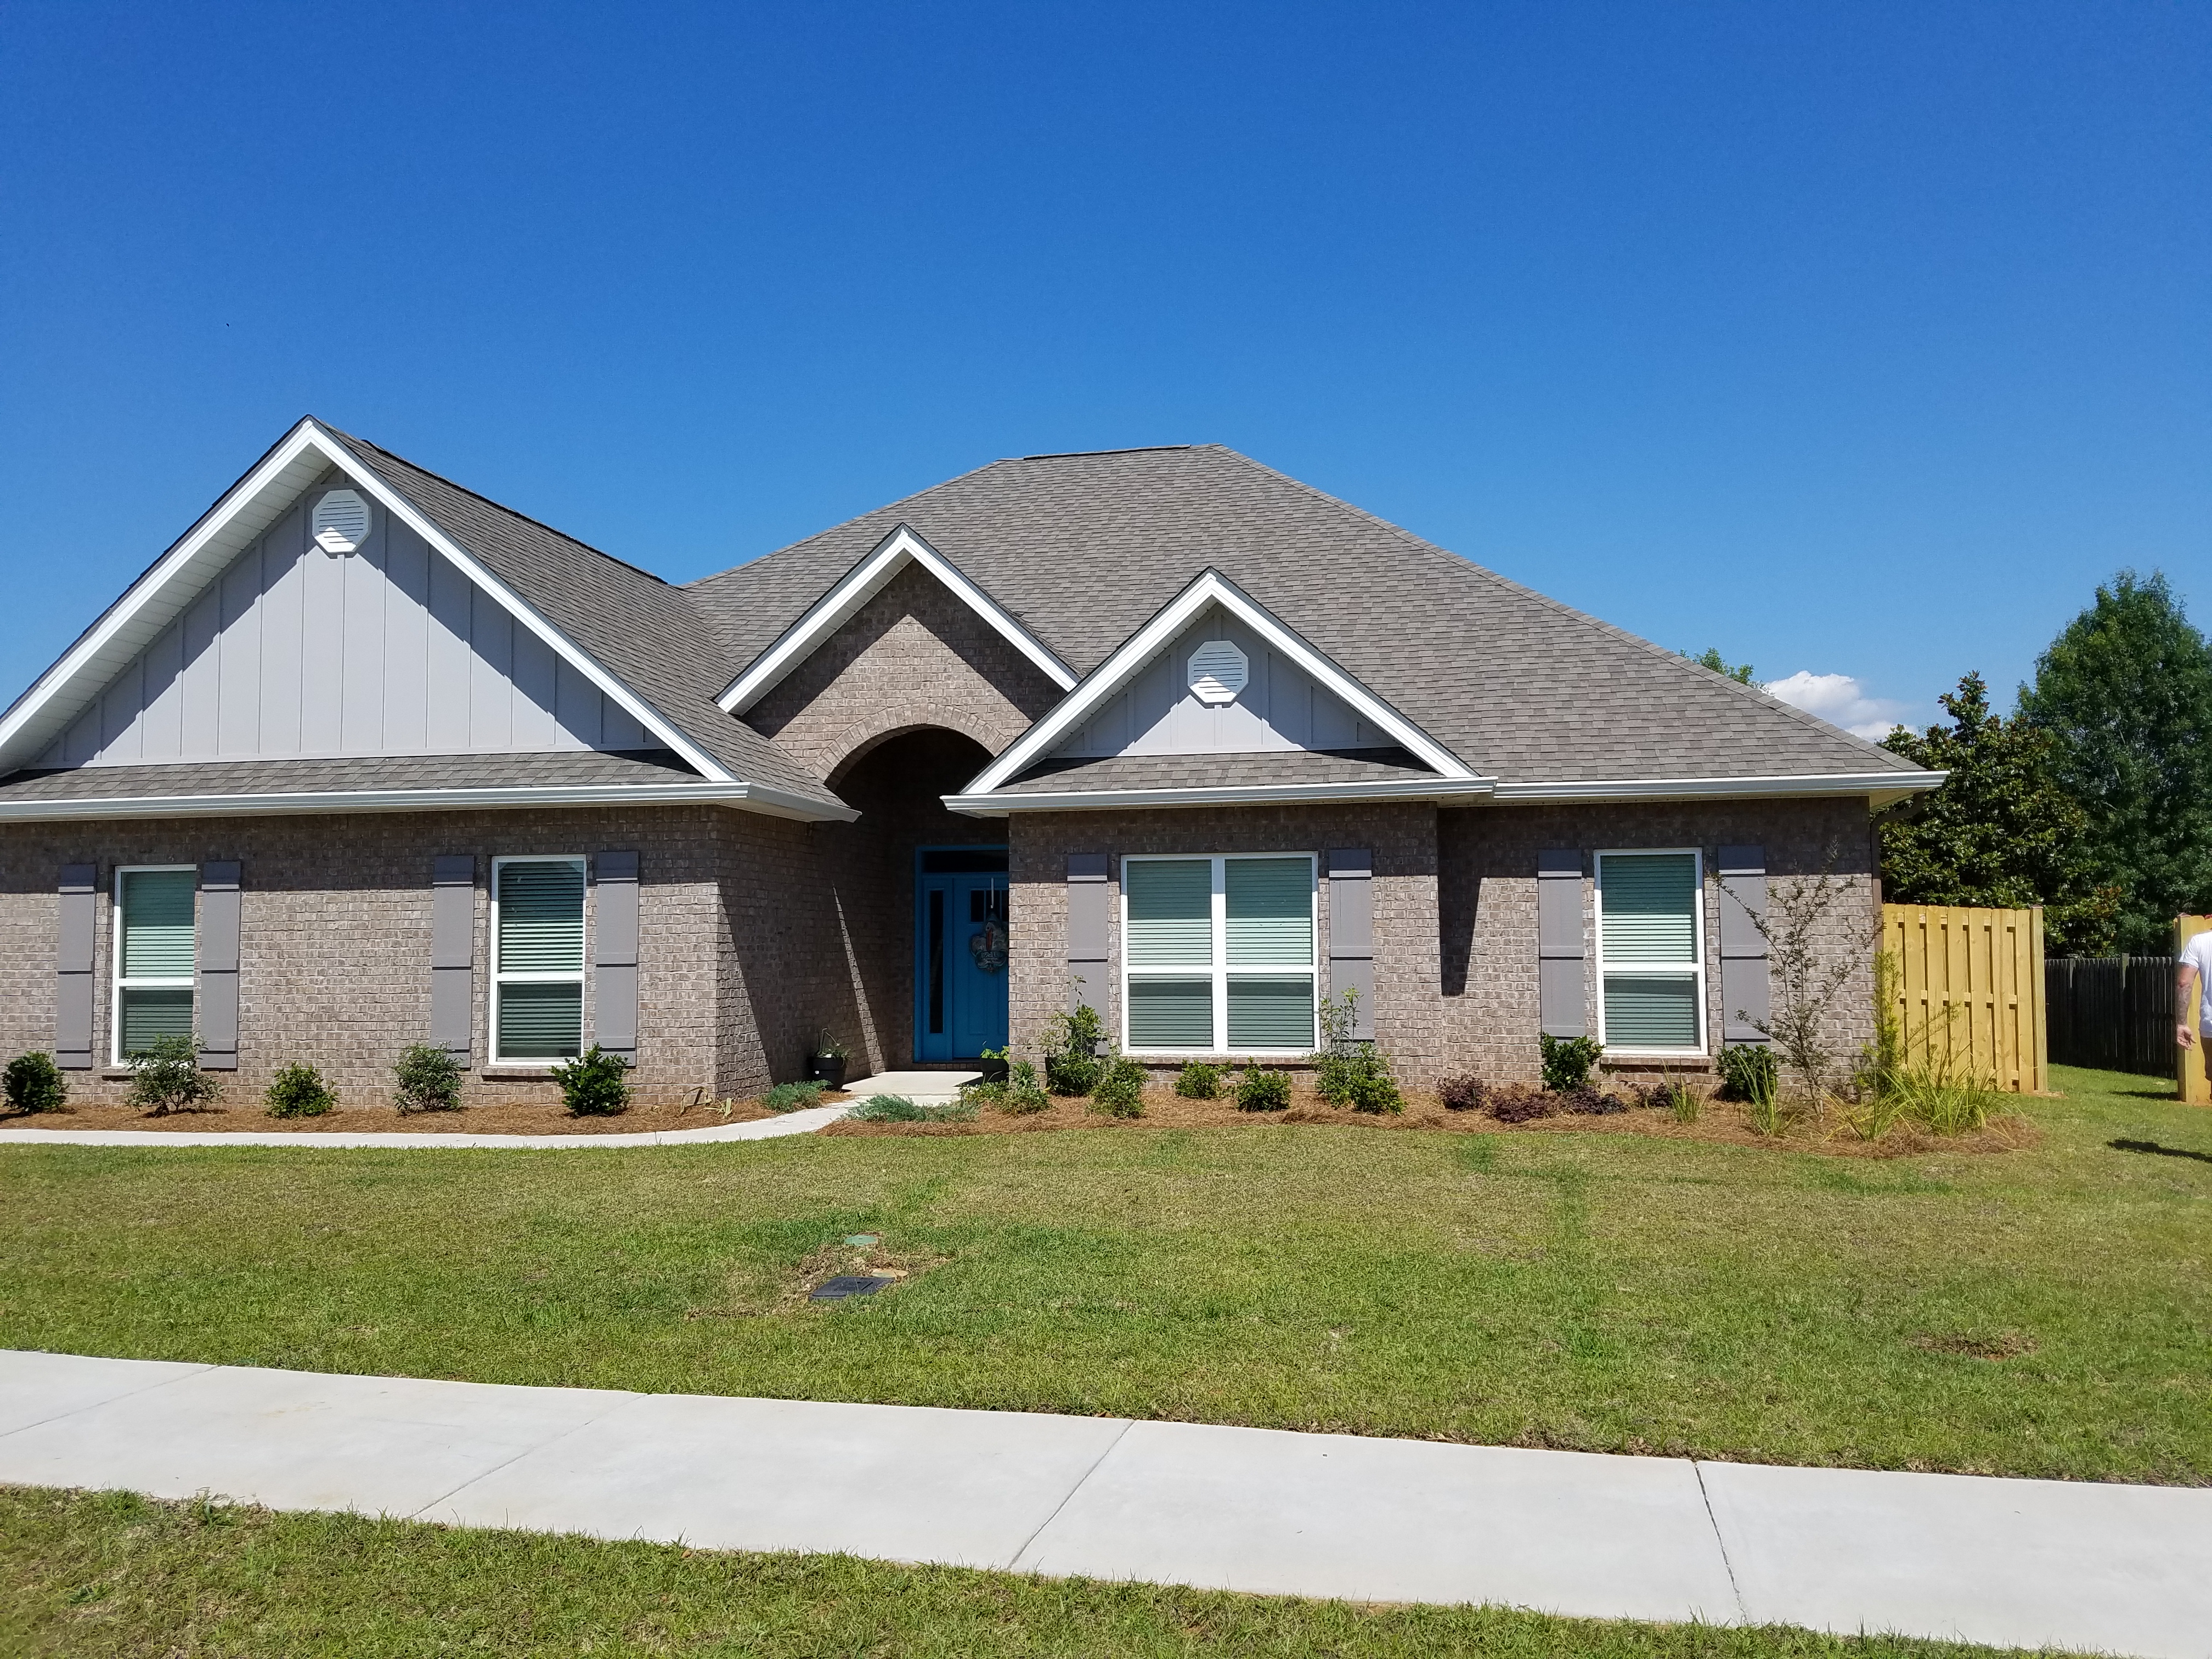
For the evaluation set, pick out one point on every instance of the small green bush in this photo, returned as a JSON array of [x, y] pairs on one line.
[[1259, 1090], [897, 1109], [1749, 1072], [593, 1085], [1946, 1105], [792, 1097], [165, 1076], [298, 1090], [1072, 1062], [34, 1084], [1018, 1093], [1199, 1081], [1567, 1060], [1120, 1092], [426, 1078], [1349, 1071]]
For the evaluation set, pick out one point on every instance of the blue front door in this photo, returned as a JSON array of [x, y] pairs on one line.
[[960, 953]]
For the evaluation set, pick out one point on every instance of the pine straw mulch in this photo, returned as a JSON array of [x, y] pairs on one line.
[[1721, 1121], [507, 1117]]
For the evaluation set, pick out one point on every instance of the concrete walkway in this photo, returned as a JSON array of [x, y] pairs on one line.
[[922, 1088], [2027, 1562], [767, 1128]]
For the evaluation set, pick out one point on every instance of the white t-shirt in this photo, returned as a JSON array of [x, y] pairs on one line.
[[2197, 954]]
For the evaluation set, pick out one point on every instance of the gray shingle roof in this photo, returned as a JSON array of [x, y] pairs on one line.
[[1083, 549], [651, 636], [1220, 771], [285, 777]]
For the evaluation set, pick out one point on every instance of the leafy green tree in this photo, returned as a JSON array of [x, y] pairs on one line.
[[2125, 690], [2004, 832], [1712, 657]]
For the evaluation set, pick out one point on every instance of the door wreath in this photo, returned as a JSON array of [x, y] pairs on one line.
[[988, 944]]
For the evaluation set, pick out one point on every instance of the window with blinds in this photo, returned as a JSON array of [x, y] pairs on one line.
[[537, 958], [1651, 931], [1218, 954], [156, 949]]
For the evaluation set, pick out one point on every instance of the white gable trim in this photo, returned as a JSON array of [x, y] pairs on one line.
[[862, 583], [1210, 588], [232, 524]]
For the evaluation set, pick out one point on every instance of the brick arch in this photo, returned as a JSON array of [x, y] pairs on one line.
[[836, 757]]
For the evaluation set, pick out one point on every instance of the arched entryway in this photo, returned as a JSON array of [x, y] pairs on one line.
[[922, 900]]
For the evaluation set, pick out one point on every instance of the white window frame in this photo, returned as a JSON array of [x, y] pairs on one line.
[[1220, 970], [1652, 970], [118, 984], [501, 978]]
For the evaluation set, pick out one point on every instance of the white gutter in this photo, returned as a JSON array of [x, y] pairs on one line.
[[1886, 786], [1000, 804], [743, 796]]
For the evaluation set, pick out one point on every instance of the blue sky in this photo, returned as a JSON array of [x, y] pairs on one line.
[[1855, 340]]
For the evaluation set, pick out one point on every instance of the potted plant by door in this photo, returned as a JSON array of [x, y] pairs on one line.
[[826, 1065]]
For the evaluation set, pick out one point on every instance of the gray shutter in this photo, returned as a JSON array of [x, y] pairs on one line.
[[217, 941], [1352, 931], [1087, 930], [73, 994], [614, 921], [1560, 947], [453, 954], [1743, 947]]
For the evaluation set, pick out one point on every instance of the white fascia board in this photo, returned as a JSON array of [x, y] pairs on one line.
[[743, 796], [58, 696], [1211, 588], [566, 649], [183, 573], [1882, 787], [855, 588], [1006, 803]]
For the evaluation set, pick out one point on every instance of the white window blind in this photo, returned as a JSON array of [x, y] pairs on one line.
[[156, 950], [1650, 951], [537, 958], [1218, 954]]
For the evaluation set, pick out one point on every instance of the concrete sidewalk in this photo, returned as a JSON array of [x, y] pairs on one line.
[[767, 1128], [2026, 1563]]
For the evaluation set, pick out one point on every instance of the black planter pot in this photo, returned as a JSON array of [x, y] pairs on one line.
[[826, 1069], [995, 1069]]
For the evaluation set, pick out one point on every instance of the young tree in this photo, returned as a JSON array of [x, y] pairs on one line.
[[2004, 832], [1815, 948], [2126, 690]]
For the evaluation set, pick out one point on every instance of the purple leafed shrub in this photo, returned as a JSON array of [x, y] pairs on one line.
[[1463, 1094], [1518, 1105], [1590, 1103]]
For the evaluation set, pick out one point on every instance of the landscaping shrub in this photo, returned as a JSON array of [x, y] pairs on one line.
[[1463, 1094], [1071, 1064], [426, 1078], [1591, 1101], [1351, 1071], [1670, 1094], [1516, 1104], [165, 1076], [1199, 1081], [897, 1109], [1947, 1105], [1018, 1094], [34, 1084], [298, 1090], [1567, 1061], [1749, 1072], [791, 1096], [1120, 1092], [1259, 1090], [593, 1085]]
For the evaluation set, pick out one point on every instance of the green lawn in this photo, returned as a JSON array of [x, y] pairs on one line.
[[1603, 1292], [117, 1577]]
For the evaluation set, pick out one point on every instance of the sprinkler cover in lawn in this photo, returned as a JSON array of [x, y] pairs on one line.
[[836, 1290]]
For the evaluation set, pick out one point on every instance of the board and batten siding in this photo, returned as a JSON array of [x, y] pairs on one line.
[[389, 650], [1280, 707]]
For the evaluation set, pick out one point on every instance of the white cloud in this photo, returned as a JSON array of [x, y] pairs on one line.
[[1840, 700]]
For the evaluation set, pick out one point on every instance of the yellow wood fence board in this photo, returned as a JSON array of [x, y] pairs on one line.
[[2190, 1064], [1970, 990]]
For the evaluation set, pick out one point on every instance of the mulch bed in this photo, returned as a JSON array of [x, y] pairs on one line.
[[515, 1117], [1722, 1123]]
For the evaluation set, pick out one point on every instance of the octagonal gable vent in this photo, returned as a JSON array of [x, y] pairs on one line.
[[1218, 671], [340, 521]]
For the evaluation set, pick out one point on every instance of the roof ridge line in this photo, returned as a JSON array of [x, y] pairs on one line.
[[1759, 696]]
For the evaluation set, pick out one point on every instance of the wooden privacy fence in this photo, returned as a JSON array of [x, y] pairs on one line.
[[2114, 1014], [1970, 990], [2189, 1064]]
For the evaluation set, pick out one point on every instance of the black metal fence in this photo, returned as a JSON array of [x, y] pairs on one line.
[[2112, 1012]]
